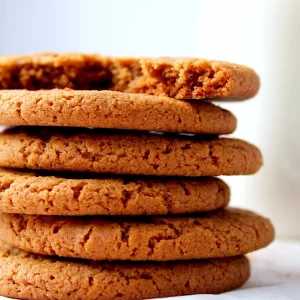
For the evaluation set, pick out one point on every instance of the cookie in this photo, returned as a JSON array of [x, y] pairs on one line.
[[108, 109], [29, 276], [92, 150], [181, 78], [228, 232], [64, 194]]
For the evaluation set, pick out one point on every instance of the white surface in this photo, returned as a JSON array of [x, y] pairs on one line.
[[275, 275]]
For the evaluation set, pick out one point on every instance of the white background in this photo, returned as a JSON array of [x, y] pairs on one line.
[[261, 34]]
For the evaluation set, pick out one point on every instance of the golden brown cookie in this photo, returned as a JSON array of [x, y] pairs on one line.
[[79, 194], [223, 233], [108, 109], [92, 150], [29, 276], [182, 78]]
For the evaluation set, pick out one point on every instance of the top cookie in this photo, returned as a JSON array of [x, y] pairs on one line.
[[181, 78], [109, 109]]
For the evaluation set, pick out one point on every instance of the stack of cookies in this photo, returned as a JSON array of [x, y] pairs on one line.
[[107, 187]]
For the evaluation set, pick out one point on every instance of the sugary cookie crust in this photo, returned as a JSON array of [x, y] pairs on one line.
[[29, 276], [108, 109], [224, 233], [89, 150], [64, 194]]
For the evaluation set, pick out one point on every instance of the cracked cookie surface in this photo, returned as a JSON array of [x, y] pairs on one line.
[[181, 78], [108, 109], [223, 233], [91, 150], [30, 276], [47, 193]]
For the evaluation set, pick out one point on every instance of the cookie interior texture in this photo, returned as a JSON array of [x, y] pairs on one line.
[[180, 78]]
